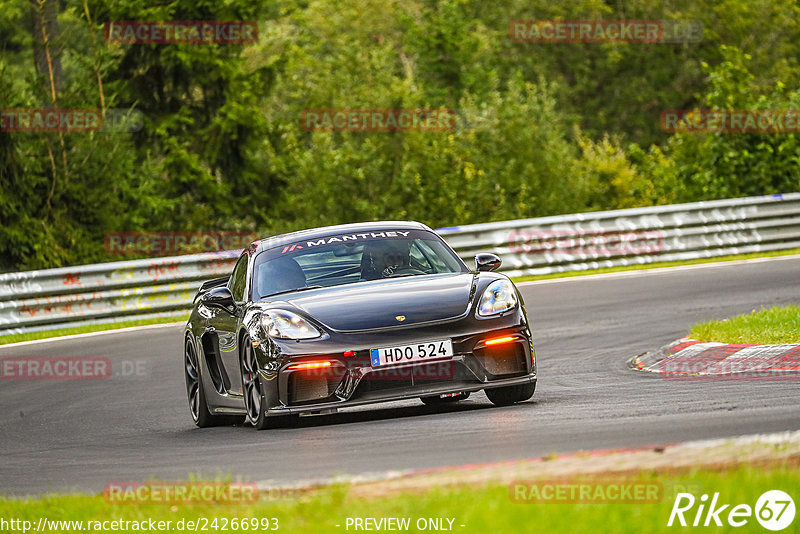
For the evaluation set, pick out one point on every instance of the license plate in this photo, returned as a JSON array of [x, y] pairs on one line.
[[417, 352]]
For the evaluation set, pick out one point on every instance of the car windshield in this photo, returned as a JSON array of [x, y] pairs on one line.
[[351, 258]]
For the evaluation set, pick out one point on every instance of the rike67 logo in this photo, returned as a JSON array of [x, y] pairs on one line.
[[774, 510]]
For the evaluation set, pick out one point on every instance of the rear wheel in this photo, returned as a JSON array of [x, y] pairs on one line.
[[438, 400], [253, 391], [511, 394], [198, 407]]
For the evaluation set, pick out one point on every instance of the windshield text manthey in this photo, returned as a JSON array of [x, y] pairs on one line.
[[344, 238]]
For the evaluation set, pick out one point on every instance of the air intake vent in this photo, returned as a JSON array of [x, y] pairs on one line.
[[311, 387], [502, 360]]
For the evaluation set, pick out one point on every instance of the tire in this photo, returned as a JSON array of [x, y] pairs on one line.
[[437, 400], [198, 407], [253, 392], [511, 394]]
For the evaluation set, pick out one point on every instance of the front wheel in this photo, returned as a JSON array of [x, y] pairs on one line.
[[198, 406], [253, 391], [511, 394]]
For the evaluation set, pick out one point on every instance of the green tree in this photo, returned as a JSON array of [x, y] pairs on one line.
[[725, 165]]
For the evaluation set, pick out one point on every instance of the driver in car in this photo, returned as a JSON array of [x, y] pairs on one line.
[[387, 258], [394, 258]]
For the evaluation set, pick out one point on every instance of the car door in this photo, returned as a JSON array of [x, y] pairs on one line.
[[226, 323]]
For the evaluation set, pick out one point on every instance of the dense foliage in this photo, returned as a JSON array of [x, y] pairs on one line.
[[541, 128]]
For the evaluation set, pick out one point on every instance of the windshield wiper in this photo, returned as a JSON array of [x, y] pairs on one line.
[[305, 288]]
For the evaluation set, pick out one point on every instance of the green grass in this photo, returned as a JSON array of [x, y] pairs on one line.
[[480, 509], [766, 326], [658, 265], [15, 338]]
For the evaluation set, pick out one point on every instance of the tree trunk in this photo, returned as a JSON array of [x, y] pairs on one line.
[[46, 54]]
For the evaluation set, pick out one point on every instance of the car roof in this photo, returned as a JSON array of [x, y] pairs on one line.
[[313, 233]]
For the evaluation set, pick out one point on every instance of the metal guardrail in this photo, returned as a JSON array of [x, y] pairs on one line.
[[165, 287], [596, 240], [106, 292]]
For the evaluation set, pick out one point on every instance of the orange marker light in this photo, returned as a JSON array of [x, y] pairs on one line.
[[499, 340], [310, 365]]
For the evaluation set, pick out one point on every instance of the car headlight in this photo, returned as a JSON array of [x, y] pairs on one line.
[[500, 296], [284, 324]]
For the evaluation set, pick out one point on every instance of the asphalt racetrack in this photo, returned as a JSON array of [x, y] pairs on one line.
[[82, 435]]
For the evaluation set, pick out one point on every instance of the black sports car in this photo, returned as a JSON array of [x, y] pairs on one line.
[[312, 321]]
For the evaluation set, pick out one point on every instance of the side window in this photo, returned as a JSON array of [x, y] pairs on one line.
[[417, 258], [432, 262], [238, 279]]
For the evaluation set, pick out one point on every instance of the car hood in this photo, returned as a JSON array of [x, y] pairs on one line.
[[388, 303]]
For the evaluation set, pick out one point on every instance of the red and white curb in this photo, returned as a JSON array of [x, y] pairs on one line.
[[687, 358]]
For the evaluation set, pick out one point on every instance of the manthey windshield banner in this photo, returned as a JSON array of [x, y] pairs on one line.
[[354, 238]]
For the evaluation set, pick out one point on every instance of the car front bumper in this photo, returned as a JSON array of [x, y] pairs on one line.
[[398, 395], [350, 379]]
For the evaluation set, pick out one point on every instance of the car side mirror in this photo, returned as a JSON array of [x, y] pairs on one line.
[[219, 296], [487, 262]]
